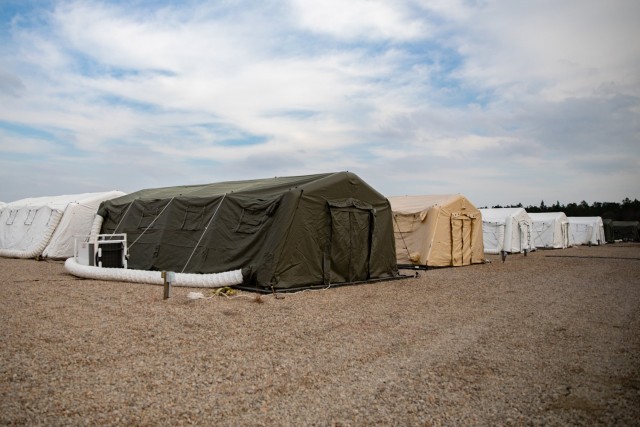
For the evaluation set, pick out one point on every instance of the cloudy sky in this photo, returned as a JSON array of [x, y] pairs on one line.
[[504, 101]]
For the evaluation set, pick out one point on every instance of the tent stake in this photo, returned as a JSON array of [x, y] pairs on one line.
[[275, 294]]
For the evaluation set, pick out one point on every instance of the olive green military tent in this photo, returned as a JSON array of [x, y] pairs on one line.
[[284, 233], [627, 231]]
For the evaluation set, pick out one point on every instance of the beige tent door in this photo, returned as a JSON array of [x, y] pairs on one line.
[[461, 226]]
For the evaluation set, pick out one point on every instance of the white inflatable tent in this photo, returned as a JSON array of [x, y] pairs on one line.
[[550, 230], [507, 229], [45, 226], [586, 230]]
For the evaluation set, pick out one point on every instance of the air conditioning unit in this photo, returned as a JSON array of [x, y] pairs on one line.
[[101, 250]]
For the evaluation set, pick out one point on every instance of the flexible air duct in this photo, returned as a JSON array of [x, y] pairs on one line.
[[97, 225], [190, 280]]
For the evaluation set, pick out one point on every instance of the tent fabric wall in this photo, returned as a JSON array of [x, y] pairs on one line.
[[550, 230], [437, 230], [285, 232], [506, 229], [25, 232], [586, 231], [45, 226]]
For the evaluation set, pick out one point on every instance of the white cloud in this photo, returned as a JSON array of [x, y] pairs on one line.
[[10, 84], [215, 70], [368, 19], [165, 39], [448, 10], [13, 144], [402, 92], [556, 50]]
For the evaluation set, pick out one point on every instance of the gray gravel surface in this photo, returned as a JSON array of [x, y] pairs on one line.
[[552, 338]]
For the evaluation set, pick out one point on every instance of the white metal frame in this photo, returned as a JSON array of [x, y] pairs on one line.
[[82, 246]]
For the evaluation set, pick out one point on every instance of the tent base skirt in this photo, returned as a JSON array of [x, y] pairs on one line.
[[262, 290], [431, 267], [413, 267]]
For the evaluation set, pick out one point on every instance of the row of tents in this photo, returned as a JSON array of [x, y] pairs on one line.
[[285, 233], [514, 230]]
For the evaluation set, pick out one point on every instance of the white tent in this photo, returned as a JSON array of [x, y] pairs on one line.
[[506, 229], [45, 226], [550, 230], [586, 230]]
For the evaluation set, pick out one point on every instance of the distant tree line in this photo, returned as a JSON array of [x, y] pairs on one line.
[[628, 210]]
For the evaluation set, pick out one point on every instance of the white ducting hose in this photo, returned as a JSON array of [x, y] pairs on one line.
[[97, 225], [189, 280], [36, 250]]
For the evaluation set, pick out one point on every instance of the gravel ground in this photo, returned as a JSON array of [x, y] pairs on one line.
[[548, 339]]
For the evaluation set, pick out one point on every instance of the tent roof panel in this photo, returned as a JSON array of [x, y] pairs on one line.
[[585, 220], [414, 204], [265, 186], [501, 214], [626, 223], [548, 216]]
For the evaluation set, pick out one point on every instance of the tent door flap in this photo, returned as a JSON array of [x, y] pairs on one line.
[[350, 251], [461, 239]]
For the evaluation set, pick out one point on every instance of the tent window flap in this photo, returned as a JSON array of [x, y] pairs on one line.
[[147, 218], [193, 218]]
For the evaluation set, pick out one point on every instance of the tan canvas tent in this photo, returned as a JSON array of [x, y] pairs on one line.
[[437, 230]]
